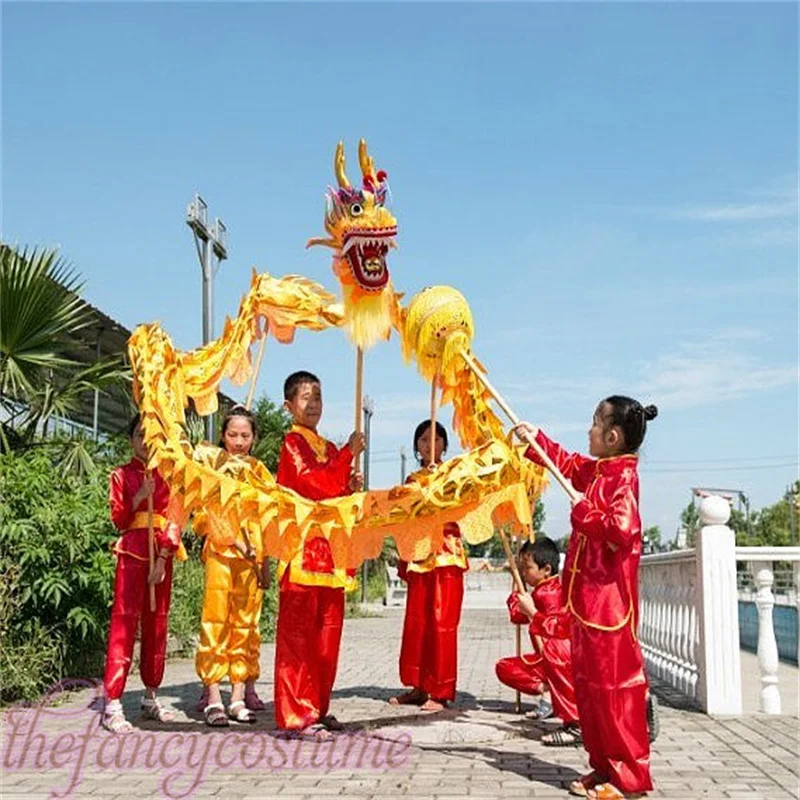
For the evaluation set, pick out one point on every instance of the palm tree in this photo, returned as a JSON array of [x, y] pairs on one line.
[[40, 313]]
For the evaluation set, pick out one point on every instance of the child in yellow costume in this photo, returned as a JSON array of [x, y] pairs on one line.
[[229, 637]]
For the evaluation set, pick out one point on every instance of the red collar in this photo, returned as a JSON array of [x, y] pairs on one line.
[[615, 464]]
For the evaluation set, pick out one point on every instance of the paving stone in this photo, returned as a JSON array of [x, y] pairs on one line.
[[480, 749]]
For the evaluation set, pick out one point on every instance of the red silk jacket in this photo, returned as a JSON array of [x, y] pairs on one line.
[[124, 483], [551, 620], [315, 468], [600, 584]]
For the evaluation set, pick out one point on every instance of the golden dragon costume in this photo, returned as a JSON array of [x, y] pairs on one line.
[[488, 486]]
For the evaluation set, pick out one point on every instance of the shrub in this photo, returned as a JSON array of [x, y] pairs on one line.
[[55, 538]]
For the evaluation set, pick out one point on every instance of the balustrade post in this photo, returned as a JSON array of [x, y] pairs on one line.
[[797, 603], [720, 672], [770, 698]]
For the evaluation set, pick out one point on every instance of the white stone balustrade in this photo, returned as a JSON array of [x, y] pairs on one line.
[[720, 683], [689, 615], [689, 622], [668, 631], [761, 562]]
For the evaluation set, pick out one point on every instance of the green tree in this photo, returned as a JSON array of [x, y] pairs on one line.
[[652, 539], [40, 313], [273, 423], [770, 526], [690, 522], [775, 525]]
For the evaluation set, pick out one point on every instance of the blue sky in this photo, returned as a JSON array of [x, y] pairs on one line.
[[613, 188]]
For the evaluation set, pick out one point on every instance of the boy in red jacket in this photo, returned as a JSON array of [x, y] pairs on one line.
[[311, 608], [549, 626], [130, 486]]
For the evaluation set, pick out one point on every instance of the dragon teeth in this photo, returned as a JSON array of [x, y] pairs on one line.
[[366, 241]]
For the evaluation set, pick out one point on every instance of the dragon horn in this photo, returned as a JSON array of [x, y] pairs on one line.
[[338, 166], [366, 161]]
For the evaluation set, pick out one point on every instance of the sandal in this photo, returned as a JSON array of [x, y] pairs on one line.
[[215, 716], [653, 717], [115, 722], [607, 791], [316, 732], [413, 697], [564, 737], [331, 723], [584, 785], [543, 711], [253, 701], [154, 711], [239, 712]]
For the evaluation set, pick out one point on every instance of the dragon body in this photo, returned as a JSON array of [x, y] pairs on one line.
[[490, 485]]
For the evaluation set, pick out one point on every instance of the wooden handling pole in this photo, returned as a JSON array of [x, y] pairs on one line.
[[433, 420], [259, 358], [359, 403], [565, 484], [518, 643], [151, 544], [512, 563]]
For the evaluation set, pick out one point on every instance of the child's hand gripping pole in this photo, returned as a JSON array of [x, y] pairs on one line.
[[481, 375], [151, 544]]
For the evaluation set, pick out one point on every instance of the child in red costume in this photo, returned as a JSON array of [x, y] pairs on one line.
[[548, 625], [130, 487], [429, 653], [601, 592], [311, 606]]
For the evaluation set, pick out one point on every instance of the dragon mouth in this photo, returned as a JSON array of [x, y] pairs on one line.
[[365, 250]]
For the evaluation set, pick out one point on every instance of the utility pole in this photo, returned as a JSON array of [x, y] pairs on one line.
[[369, 410], [402, 465], [210, 243]]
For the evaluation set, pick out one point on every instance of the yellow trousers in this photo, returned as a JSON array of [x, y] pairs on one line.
[[230, 642]]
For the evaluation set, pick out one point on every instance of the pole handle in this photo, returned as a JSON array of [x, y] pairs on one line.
[[359, 403], [151, 544], [546, 460], [259, 358]]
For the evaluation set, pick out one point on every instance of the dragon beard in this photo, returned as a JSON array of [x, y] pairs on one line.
[[368, 314]]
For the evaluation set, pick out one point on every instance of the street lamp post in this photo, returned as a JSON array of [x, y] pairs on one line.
[[369, 408], [210, 243]]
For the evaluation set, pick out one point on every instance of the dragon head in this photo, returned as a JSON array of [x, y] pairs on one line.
[[361, 231]]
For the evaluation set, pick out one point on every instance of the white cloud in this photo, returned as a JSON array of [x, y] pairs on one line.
[[708, 374], [736, 212], [778, 201], [693, 374]]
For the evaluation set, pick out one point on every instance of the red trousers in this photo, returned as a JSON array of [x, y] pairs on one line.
[[132, 602], [553, 667], [306, 652], [429, 653], [611, 689], [522, 673]]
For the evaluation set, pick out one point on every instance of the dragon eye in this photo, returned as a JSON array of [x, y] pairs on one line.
[[356, 210]]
